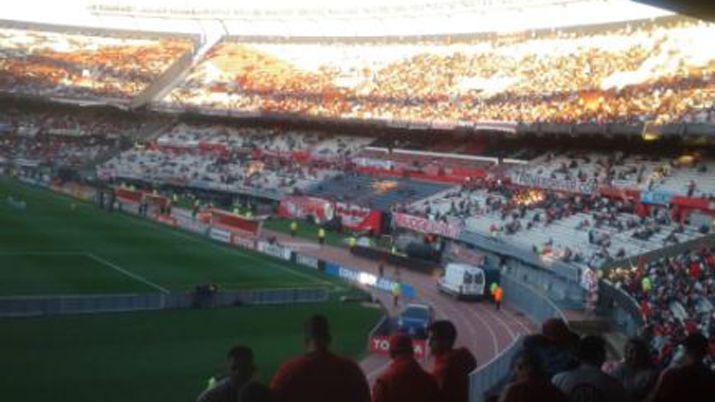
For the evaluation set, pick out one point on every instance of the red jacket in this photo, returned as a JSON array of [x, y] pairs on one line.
[[320, 377], [403, 381], [533, 389], [451, 370], [694, 383]]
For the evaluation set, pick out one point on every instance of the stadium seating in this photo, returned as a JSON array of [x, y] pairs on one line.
[[101, 64], [626, 73]]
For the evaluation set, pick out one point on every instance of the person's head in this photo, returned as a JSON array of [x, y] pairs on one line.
[[317, 333], [400, 345], [696, 348], [636, 353], [592, 350], [527, 365], [556, 330], [240, 364], [442, 335]]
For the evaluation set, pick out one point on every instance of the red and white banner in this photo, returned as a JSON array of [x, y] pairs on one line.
[[425, 225], [358, 218], [569, 186], [234, 223], [381, 345], [302, 207]]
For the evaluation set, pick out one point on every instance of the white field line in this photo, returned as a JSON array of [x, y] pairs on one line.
[[127, 273]]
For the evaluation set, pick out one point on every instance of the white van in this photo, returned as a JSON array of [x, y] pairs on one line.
[[462, 281]]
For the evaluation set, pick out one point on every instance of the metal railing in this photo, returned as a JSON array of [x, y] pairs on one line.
[[21, 306]]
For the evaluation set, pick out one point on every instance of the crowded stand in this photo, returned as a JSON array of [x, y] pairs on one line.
[[33, 136], [585, 230], [676, 297], [686, 174], [97, 64], [627, 73], [243, 160]]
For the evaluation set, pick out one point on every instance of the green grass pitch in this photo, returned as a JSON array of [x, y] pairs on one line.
[[52, 247]]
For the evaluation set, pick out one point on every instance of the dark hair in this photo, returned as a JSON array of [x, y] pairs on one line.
[[592, 349], [529, 361], [641, 349], [444, 330], [241, 353], [316, 328], [696, 345]]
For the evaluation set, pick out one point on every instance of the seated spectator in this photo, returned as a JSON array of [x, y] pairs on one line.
[[404, 380], [451, 366], [531, 383], [636, 372], [241, 370], [320, 375], [554, 347], [588, 382], [693, 381]]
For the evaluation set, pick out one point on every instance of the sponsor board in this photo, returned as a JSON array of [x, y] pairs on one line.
[[424, 225], [569, 186], [380, 345], [274, 250], [307, 260], [243, 241], [220, 235]]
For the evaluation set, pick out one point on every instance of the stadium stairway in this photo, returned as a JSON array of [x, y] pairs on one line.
[[213, 35]]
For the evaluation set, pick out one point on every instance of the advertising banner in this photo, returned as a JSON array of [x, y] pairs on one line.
[[220, 235], [243, 241], [358, 218], [307, 261], [656, 197], [425, 225], [380, 345], [570, 186], [274, 250], [302, 207]]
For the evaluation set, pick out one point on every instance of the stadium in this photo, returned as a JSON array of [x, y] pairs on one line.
[[395, 200]]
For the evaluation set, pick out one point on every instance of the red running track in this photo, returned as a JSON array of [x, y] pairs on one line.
[[480, 328]]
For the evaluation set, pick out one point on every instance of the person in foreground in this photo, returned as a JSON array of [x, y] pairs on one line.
[[532, 383], [636, 372], [691, 382], [587, 383], [319, 375], [451, 366], [404, 380], [233, 388]]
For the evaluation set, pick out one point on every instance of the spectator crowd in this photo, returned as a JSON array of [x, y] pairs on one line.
[[635, 72]]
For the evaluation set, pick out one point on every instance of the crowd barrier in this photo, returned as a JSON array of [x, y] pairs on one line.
[[23, 306], [623, 309], [538, 308]]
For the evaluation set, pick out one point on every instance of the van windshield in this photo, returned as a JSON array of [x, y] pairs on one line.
[[479, 278], [467, 278]]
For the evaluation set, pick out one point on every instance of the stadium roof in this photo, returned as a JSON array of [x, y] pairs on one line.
[[344, 18]]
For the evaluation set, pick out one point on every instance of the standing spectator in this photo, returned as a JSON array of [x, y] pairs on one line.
[[320, 375], [498, 295], [451, 366], [531, 383], [404, 380], [588, 383], [636, 372], [241, 369], [293, 228], [321, 236], [693, 381]]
